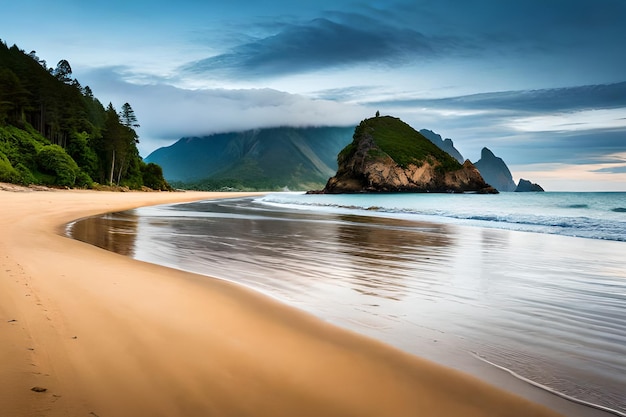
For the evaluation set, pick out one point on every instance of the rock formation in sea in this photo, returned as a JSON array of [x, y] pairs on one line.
[[527, 186], [388, 155], [495, 171], [443, 144]]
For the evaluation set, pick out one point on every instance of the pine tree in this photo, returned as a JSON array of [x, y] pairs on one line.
[[127, 116]]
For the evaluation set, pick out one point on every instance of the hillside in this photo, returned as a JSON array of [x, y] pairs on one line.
[[388, 155], [53, 131], [262, 159]]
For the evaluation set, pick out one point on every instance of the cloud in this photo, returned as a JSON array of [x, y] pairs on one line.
[[572, 177], [613, 170], [319, 44], [603, 96], [167, 113], [573, 121], [613, 164]]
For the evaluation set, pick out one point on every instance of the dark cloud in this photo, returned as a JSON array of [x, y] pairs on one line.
[[605, 96], [572, 148], [323, 43]]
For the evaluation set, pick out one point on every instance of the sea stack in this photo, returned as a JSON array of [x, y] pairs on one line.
[[388, 155], [527, 186]]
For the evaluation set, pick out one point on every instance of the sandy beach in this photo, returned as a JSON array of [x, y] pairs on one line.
[[106, 335]]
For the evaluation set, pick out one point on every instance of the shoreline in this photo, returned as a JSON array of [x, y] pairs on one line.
[[108, 335]]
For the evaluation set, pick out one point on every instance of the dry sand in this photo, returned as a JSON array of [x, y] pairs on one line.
[[106, 335]]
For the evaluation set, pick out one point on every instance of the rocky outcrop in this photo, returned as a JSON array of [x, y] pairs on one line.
[[495, 171], [387, 155], [527, 186]]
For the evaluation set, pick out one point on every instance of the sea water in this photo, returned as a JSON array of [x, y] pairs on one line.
[[532, 282], [589, 215]]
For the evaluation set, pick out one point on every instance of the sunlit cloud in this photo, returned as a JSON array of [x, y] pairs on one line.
[[574, 177]]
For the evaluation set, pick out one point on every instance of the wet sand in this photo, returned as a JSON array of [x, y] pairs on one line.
[[110, 336]]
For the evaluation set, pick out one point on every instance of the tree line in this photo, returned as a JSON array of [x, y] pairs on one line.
[[53, 131]]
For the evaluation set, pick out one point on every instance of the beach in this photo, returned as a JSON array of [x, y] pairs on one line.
[[107, 335]]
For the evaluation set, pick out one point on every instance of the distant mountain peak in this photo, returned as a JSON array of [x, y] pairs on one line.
[[495, 171], [444, 144], [487, 154]]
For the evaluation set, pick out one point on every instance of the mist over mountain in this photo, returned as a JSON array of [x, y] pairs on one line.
[[284, 157]]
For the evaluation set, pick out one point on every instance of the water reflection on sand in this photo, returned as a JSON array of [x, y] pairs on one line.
[[551, 308]]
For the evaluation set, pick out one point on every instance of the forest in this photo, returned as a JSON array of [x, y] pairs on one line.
[[54, 132]]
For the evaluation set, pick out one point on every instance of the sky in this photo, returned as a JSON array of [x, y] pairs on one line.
[[542, 83]]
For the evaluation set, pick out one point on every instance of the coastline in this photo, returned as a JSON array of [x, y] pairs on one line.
[[108, 335]]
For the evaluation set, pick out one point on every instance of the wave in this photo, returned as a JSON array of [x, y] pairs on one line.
[[495, 217], [548, 389]]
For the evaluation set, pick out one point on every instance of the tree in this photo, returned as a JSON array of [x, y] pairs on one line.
[[127, 116], [41, 107], [129, 141], [13, 97], [111, 136], [120, 140], [63, 71]]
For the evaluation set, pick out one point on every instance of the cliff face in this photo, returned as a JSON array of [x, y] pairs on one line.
[[495, 171], [387, 155]]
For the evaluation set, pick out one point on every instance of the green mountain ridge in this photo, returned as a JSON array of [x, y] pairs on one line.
[[262, 159]]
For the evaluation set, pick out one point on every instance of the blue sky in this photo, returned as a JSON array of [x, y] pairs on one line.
[[542, 83]]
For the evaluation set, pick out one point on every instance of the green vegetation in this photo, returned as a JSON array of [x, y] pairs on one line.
[[400, 142], [55, 132]]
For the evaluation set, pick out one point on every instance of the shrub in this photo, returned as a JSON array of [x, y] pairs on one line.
[[7, 172], [52, 159], [83, 180], [26, 177], [153, 177]]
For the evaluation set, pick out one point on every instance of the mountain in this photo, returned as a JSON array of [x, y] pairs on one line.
[[495, 171], [272, 158], [527, 186], [388, 155], [443, 144]]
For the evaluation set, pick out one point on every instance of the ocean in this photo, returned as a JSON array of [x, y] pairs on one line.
[[534, 283]]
